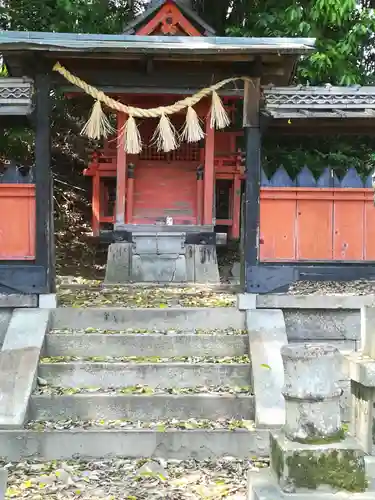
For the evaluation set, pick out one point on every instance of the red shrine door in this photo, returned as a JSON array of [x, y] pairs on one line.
[[165, 185]]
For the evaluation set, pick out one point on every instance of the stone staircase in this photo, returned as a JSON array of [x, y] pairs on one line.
[[108, 386]]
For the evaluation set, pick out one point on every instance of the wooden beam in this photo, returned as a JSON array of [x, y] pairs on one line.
[[43, 181], [121, 171], [253, 168]]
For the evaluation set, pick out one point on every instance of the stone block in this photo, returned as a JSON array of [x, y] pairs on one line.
[[323, 467], [47, 301], [18, 369], [267, 336], [118, 267], [159, 268], [18, 300], [246, 301], [3, 483], [5, 317], [27, 328], [368, 331], [312, 391], [362, 421], [205, 264]]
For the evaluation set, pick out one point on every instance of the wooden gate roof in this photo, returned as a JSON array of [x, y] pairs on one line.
[[320, 109]]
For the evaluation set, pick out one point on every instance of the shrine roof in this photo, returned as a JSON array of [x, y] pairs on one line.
[[155, 6], [132, 44], [320, 102]]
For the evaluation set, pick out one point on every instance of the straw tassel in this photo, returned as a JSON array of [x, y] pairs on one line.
[[165, 135], [219, 116], [98, 125], [132, 137], [193, 131]]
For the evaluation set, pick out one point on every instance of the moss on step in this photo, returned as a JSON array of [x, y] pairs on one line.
[[342, 470], [147, 359]]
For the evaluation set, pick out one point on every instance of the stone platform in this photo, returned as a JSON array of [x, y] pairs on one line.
[[161, 257]]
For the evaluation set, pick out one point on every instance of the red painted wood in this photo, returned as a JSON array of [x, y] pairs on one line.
[[96, 208], [348, 225], [162, 189], [314, 239], [277, 224], [169, 20], [209, 172], [129, 201], [17, 222], [369, 226], [121, 170]]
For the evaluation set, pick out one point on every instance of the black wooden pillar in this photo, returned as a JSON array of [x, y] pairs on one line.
[[45, 251], [253, 169]]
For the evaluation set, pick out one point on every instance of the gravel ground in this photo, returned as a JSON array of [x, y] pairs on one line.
[[133, 297], [135, 331], [147, 359], [44, 388], [125, 479], [157, 425], [164, 297]]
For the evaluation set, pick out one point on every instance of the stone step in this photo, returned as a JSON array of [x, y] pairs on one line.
[[183, 318], [170, 345], [120, 374], [141, 406], [198, 444]]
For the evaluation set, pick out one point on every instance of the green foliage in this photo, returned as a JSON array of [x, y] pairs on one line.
[[343, 29]]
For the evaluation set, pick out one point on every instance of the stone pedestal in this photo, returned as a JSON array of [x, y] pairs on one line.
[[161, 257], [311, 457]]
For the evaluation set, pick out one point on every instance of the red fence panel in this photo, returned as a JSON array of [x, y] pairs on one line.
[[17, 222], [317, 224]]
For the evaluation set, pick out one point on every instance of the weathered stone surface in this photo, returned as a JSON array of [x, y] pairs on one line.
[[142, 407], [311, 371], [5, 316], [3, 483], [149, 319], [18, 369], [360, 368], [311, 391], [362, 421], [47, 301], [171, 345], [263, 486], [27, 328], [319, 324], [118, 267], [368, 331], [153, 375], [205, 264], [333, 302], [18, 445], [18, 300], [327, 467], [247, 301], [267, 336], [159, 268]]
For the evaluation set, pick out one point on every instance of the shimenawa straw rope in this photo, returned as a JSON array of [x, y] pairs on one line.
[[165, 137]]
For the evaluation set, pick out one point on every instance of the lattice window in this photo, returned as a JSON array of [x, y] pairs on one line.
[[186, 152]]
